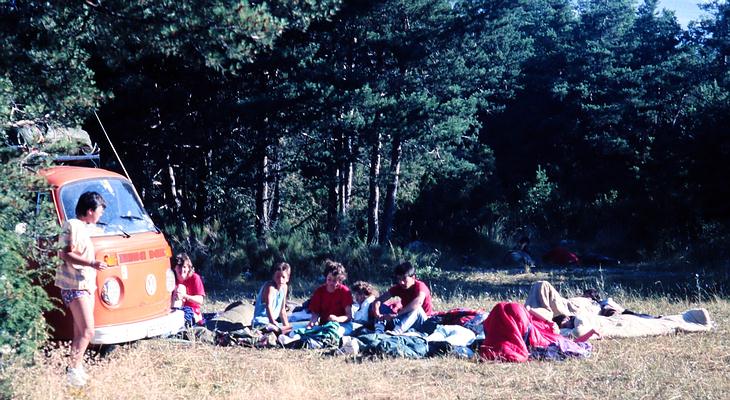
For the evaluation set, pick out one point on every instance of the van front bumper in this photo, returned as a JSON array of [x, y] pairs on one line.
[[166, 325]]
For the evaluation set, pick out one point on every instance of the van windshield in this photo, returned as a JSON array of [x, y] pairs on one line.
[[124, 213]]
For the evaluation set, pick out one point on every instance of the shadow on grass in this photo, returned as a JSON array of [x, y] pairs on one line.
[[514, 284]]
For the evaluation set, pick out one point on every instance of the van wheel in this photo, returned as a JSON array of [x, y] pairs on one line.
[[102, 350]]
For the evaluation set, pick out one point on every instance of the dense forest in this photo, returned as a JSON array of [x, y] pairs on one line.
[[362, 130]]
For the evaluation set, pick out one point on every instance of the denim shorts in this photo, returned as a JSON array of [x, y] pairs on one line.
[[69, 295]]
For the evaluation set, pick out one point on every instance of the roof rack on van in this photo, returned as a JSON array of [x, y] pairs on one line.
[[36, 157], [94, 158]]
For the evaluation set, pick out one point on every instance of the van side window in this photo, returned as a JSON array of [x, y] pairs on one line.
[[43, 201], [44, 223]]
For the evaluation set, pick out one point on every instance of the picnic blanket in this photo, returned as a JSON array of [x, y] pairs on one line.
[[627, 325], [317, 337], [382, 344], [468, 318], [455, 335]]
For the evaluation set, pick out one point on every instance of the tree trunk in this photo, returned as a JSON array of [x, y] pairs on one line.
[[201, 200], [262, 194], [172, 191], [350, 172], [345, 167], [391, 192], [332, 198], [183, 190], [374, 192], [335, 198], [275, 203], [349, 169]]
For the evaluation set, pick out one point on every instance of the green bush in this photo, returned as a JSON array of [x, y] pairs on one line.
[[215, 253], [27, 238], [220, 256]]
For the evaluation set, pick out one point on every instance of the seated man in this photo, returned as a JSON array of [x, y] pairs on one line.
[[415, 298]]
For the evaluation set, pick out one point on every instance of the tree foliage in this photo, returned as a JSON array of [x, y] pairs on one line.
[[390, 121], [27, 234]]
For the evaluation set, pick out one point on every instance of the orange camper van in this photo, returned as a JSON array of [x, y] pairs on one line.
[[132, 300]]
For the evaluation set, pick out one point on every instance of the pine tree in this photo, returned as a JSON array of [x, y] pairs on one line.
[[45, 71]]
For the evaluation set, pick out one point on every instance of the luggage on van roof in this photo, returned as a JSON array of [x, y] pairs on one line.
[[50, 136], [62, 145]]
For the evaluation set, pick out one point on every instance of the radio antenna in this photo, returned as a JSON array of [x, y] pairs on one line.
[[112, 146]]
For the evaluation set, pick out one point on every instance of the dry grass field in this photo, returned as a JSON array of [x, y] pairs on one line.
[[668, 367]]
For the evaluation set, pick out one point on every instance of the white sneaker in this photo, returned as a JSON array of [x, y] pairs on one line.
[[350, 346], [76, 377], [285, 339], [83, 372]]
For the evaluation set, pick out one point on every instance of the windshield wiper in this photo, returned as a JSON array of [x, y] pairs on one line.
[[124, 233], [105, 225], [138, 218], [134, 217]]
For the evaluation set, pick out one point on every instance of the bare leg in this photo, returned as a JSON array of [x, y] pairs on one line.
[[82, 310]]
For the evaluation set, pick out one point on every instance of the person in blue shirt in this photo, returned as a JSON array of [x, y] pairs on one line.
[[270, 308]]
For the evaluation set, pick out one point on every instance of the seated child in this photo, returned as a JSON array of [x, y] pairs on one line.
[[415, 297], [362, 311], [332, 301], [365, 295], [270, 307], [189, 292]]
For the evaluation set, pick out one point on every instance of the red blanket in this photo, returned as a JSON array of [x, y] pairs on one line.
[[511, 332], [456, 316]]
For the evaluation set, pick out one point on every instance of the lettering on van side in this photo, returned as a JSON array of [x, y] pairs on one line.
[[136, 256], [157, 253], [132, 257]]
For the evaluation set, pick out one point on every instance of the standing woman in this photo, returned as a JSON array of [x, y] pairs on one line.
[[76, 278]]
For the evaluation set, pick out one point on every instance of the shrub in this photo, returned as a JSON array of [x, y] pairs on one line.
[[220, 256], [23, 228], [214, 252]]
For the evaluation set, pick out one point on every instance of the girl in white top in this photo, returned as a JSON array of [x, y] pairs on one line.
[[365, 294]]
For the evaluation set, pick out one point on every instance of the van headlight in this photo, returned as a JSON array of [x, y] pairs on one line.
[[170, 280], [111, 292]]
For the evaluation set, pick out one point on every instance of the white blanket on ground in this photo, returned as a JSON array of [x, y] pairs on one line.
[[626, 325], [299, 316], [453, 334]]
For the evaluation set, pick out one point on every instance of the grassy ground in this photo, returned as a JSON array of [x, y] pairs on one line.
[[676, 366]]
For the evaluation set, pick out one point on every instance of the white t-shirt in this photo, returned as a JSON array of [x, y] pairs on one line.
[[360, 312], [76, 239]]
